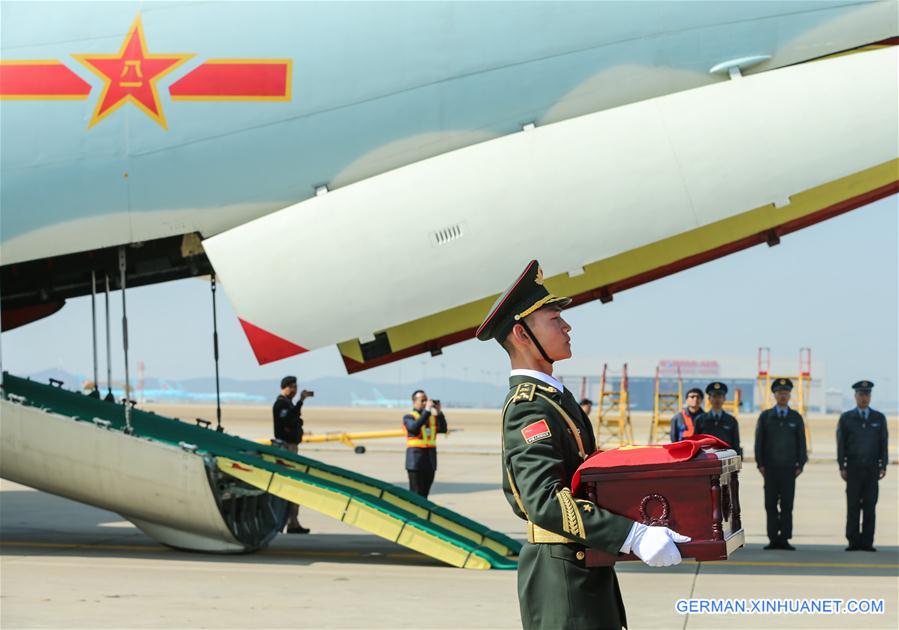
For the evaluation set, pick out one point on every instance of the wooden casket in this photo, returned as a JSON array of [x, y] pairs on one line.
[[699, 498]]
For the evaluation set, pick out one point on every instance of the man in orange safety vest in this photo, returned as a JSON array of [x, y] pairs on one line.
[[422, 425]]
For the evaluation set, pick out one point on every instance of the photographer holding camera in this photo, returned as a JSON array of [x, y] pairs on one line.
[[422, 426], [289, 429]]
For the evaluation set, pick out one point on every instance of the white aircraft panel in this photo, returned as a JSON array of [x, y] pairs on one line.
[[359, 259], [144, 481], [779, 133]]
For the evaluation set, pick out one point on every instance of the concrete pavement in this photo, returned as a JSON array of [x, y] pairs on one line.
[[66, 565]]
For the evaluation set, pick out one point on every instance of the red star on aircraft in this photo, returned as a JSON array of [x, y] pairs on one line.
[[131, 75]]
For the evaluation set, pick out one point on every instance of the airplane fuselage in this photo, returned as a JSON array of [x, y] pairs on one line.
[[369, 87]]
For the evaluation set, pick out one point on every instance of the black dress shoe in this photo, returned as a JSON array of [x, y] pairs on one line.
[[787, 546], [298, 530], [868, 548], [853, 548]]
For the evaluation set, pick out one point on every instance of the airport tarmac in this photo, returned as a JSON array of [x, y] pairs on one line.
[[67, 565]]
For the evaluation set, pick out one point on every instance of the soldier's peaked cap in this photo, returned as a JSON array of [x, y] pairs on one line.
[[863, 386], [782, 384], [716, 387], [525, 296]]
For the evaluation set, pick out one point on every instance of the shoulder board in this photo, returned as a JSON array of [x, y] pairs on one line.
[[524, 393]]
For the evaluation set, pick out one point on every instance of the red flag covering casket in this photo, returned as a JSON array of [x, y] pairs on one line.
[[640, 455], [690, 486]]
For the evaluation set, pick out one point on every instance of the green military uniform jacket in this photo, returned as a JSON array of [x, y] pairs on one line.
[[545, 438]]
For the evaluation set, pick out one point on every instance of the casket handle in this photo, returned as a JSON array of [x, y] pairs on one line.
[[666, 510]]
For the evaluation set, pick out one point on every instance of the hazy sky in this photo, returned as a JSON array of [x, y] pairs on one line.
[[833, 287]]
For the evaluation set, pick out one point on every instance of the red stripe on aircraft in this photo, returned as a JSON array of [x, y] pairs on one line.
[[235, 80], [13, 317], [40, 80], [268, 347]]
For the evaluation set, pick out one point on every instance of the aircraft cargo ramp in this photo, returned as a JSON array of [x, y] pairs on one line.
[[372, 505]]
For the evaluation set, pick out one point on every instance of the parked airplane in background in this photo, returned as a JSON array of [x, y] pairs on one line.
[[345, 155], [184, 396], [379, 401]]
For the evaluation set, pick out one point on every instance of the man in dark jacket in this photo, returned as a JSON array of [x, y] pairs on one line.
[[587, 406], [780, 454], [862, 457], [718, 422], [288, 425], [683, 424], [422, 425]]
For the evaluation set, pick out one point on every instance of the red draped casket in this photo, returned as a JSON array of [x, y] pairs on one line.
[[690, 486]]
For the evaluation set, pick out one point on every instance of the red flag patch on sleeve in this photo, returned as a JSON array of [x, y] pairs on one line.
[[536, 432]]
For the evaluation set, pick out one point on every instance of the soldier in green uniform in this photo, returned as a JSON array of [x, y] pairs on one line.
[[546, 436]]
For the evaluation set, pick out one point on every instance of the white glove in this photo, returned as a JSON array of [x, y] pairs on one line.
[[654, 545]]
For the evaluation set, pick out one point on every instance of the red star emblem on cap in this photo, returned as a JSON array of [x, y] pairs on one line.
[[131, 75]]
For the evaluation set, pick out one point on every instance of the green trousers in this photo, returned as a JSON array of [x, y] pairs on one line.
[[556, 591]]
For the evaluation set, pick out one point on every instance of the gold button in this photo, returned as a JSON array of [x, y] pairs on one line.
[[579, 555]]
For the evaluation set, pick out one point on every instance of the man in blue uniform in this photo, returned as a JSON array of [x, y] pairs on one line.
[[683, 424], [780, 454], [288, 425], [862, 457], [718, 422], [546, 436], [422, 426]]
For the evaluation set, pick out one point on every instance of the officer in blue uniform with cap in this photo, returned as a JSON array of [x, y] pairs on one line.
[[546, 436], [862, 457], [718, 422], [780, 454]]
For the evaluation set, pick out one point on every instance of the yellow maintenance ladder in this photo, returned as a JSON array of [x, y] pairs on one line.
[[614, 415], [666, 403], [801, 386]]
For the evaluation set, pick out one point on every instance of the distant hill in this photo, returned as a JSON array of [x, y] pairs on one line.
[[332, 391]]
